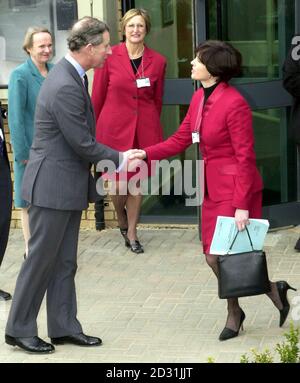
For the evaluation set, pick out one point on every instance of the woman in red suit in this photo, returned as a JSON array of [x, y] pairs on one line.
[[127, 98], [220, 119]]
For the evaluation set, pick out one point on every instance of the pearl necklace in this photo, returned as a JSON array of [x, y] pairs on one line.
[[136, 55]]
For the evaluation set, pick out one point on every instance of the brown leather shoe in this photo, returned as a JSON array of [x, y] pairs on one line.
[[78, 339]]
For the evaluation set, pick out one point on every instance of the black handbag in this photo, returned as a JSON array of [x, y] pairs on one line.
[[243, 274]]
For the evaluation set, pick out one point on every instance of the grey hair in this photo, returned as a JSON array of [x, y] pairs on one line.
[[87, 30]]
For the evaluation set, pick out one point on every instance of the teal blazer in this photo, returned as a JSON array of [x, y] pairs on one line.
[[23, 88]]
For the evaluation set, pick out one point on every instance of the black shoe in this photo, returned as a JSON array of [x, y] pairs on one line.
[[297, 246], [135, 247], [227, 333], [4, 296], [124, 235], [32, 344], [282, 287], [78, 339]]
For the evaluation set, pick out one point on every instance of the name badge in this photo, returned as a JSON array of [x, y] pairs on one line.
[[195, 137], [143, 82]]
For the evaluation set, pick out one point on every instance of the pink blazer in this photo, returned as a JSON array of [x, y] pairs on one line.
[[125, 113], [226, 144]]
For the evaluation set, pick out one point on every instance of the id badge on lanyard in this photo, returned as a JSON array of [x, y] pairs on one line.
[[195, 133], [143, 82], [195, 137]]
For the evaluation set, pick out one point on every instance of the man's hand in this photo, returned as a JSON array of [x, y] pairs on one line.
[[131, 160], [241, 219], [24, 162], [135, 159], [137, 154]]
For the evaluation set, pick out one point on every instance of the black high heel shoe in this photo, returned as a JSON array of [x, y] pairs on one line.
[[227, 333], [282, 287], [136, 247], [297, 246], [124, 235], [125, 231]]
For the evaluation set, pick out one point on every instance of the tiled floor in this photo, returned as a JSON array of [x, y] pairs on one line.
[[160, 306]]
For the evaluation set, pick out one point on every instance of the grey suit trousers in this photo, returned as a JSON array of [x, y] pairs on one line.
[[50, 267], [5, 204]]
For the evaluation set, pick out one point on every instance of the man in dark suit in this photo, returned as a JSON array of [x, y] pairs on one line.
[[291, 82], [58, 185], [5, 197]]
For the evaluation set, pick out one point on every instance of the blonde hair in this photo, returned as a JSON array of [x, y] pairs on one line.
[[28, 39], [135, 12]]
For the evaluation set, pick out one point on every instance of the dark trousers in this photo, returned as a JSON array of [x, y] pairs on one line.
[[49, 268], [5, 204], [297, 246]]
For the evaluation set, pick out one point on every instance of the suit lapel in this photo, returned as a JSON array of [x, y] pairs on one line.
[[124, 60], [213, 98], [73, 72], [35, 72], [147, 58]]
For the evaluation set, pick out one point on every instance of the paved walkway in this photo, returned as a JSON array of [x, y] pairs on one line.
[[161, 306]]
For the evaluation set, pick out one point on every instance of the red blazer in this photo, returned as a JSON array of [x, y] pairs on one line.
[[226, 144], [123, 111]]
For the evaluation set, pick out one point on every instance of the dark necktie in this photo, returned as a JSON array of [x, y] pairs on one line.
[[86, 82], [1, 147]]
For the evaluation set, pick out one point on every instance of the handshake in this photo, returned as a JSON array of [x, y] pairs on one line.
[[133, 158]]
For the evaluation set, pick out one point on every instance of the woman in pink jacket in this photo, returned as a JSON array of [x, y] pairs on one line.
[[219, 120], [127, 98]]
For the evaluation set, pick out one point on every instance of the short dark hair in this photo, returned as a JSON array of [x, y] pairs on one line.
[[221, 59], [87, 30]]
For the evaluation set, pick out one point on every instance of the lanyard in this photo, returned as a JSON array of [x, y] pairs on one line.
[[199, 116], [137, 71]]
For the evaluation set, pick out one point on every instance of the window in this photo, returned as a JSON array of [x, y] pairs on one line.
[[15, 18]]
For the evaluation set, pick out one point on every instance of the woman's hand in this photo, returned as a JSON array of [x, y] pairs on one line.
[[241, 219], [137, 154]]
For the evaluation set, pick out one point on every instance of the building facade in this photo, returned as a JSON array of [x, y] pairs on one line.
[[261, 29]]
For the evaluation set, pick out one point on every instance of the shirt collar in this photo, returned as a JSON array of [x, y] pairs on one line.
[[75, 64]]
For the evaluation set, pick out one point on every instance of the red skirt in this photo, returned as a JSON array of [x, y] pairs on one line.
[[211, 210]]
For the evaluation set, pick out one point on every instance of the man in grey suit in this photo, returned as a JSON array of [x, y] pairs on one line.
[[58, 185], [5, 197]]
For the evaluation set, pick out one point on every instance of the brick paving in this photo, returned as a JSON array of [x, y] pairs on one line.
[[160, 306]]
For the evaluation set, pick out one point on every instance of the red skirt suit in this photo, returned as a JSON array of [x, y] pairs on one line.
[[128, 117], [227, 145]]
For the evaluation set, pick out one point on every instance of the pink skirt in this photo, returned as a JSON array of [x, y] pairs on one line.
[[211, 210]]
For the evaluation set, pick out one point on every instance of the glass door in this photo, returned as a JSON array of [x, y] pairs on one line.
[[172, 34], [264, 40], [262, 30]]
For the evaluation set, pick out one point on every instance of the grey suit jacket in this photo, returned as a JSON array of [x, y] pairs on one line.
[[57, 175]]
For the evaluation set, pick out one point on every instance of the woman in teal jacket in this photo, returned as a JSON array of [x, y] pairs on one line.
[[24, 85]]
